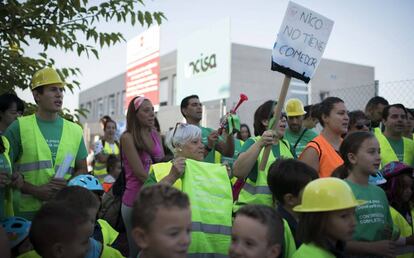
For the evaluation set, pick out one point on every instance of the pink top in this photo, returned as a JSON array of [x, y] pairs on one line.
[[133, 184]]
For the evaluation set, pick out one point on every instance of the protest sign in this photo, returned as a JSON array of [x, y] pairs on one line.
[[297, 52], [301, 42]]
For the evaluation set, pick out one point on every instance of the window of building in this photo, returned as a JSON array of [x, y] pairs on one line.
[[300, 90], [123, 107], [163, 91], [100, 109], [174, 89], [111, 105]]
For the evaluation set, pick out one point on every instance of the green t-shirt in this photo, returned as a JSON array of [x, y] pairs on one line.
[[247, 144], [51, 131], [398, 147], [373, 218], [293, 137], [205, 132]]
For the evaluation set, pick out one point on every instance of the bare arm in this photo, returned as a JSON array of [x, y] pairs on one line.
[[131, 153], [311, 157], [176, 171], [226, 147], [245, 162]]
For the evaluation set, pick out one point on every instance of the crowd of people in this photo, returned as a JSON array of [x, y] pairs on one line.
[[337, 183]]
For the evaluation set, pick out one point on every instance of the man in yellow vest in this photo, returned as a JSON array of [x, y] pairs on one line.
[[44, 147], [191, 109], [395, 147]]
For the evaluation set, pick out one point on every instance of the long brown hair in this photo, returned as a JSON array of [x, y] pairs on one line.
[[134, 127]]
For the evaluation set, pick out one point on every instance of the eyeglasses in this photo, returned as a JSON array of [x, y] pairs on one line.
[[361, 125]]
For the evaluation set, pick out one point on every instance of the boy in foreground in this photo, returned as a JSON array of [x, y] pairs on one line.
[[161, 222]]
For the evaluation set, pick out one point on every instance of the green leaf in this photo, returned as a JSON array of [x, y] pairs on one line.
[[95, 52], [141, 18], [148, 18]]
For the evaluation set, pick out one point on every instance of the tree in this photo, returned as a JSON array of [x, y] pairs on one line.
[[69, 25]]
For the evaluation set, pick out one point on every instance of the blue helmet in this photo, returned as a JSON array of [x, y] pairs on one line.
[[17, 229], [87, 181], [377, 179]]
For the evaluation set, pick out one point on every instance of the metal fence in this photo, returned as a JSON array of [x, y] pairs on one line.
[[357, 97]]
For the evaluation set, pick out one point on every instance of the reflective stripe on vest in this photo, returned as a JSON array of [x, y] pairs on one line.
[[210, 229], [99, 170], [258, 192], [36, 158], [209, 190], [388, 153]]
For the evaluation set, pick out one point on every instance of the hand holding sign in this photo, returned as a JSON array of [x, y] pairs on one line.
[[297, 52]]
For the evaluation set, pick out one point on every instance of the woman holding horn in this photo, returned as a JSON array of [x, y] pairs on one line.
[[255, 189]]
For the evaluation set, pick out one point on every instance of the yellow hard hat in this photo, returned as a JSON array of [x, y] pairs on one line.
[[46, 76], [294, 107], [327, 194]]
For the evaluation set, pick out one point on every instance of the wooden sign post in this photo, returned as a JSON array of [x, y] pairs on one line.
[[297, 52]]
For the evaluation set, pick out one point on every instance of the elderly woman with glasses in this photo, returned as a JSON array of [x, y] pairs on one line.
[[207, 185]]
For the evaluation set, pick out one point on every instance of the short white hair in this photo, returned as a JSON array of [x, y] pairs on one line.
[[183, 134]]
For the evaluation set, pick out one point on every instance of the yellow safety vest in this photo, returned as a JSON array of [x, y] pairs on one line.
[[109, 234], [406, 229], [209, 189], [388, 154], [36, 162], [289, 244], [312, 250], [161, 170], [99, 169], [258, 192], [8, 191]]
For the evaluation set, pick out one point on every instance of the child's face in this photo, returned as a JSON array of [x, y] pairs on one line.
[[79, 247], [340, 225], [92, 213], [368, 157], [407, 190], [169, 235], [249, 239], [116, 170]]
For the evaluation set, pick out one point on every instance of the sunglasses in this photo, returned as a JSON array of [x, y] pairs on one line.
[[175, 130], [361, 125]]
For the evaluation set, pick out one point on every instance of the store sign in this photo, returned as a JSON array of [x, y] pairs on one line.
[[143, 66], [203, 63]]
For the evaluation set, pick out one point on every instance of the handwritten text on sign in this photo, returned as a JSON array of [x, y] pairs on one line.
[[300, 42]]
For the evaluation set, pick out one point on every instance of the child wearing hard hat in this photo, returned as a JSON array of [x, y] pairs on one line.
[[327, 218], [373, 235]]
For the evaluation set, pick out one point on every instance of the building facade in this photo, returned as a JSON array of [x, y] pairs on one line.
[[250, 74]]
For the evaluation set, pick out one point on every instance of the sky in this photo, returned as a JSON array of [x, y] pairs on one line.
[[376, 33]]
